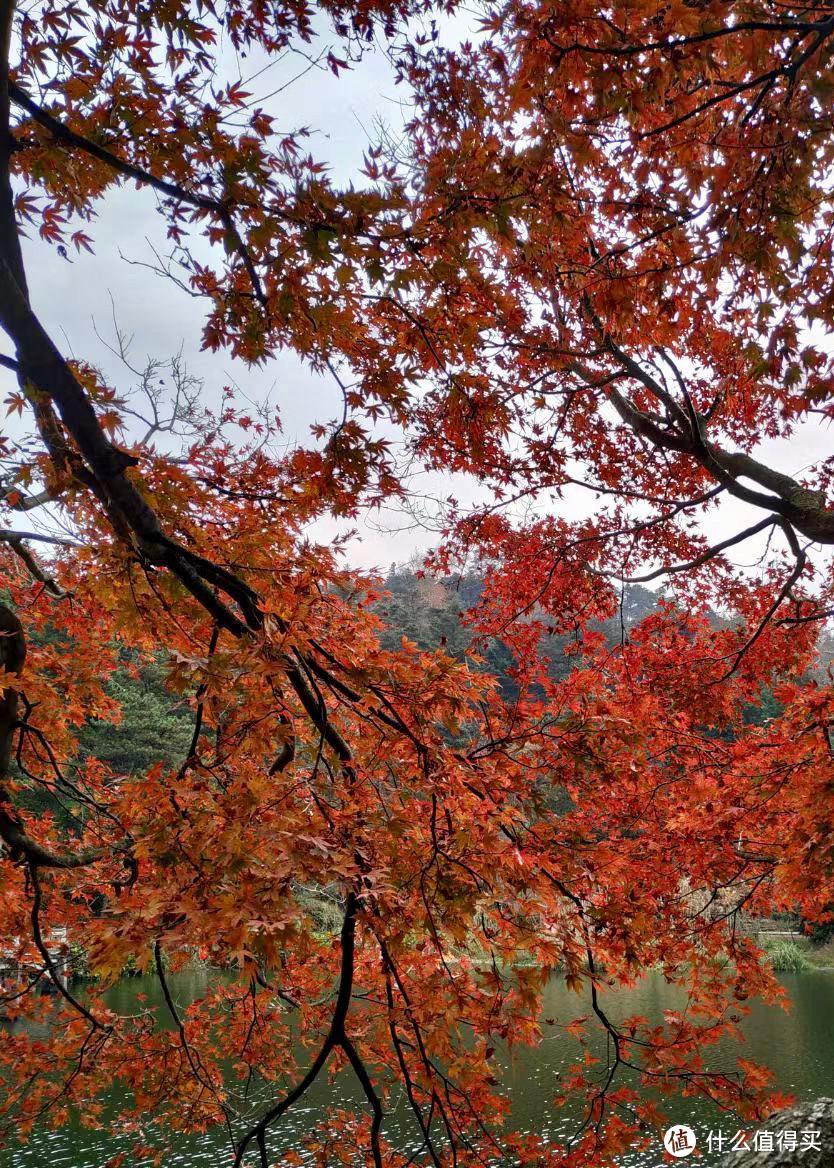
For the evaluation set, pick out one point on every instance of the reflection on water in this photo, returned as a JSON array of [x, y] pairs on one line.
[[798, 1046]]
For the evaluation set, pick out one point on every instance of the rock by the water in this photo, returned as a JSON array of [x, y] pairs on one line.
[[806, 1117]]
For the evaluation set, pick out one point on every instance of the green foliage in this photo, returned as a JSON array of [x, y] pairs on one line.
[[787, 957], [324, 908], [79, 967], [763, 710], [822, 933], [425, 611], [155, 726]]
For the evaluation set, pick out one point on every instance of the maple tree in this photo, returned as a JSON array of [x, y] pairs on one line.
[[600, 263]]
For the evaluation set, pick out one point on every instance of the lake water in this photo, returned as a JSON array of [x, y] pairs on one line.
[[799, 1047]]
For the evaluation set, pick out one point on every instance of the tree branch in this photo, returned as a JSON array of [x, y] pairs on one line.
[[707, 555], [180, 194], [334, 1037]]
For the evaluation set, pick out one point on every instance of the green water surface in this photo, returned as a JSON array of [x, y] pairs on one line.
[[798, 1046]]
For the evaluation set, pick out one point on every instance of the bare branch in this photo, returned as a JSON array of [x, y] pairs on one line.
[[707, 555], [180, 194]]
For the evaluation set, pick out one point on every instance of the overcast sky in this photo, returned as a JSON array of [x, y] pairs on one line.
[[73, 297]]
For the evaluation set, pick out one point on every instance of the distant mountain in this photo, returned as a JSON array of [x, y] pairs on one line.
[[428, 611], [156, 726]]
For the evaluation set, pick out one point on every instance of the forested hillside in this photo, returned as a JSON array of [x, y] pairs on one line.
[[157, 726], [432, 613]]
